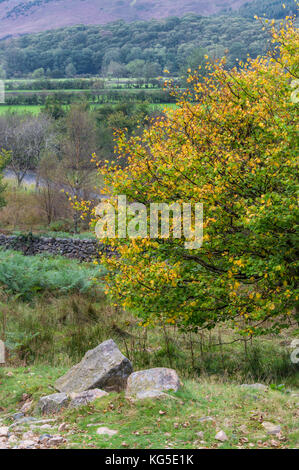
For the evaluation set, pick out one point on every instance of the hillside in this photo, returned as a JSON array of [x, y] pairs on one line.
[[27, 16], [122, 49]]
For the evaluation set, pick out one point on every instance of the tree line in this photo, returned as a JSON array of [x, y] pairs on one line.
[[138, 49]]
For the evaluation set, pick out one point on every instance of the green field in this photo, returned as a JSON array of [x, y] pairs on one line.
[[37, 109], [20, 109], [62, 90]]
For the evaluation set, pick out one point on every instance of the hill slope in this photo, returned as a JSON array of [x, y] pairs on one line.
[[27, 16], [119, 48]]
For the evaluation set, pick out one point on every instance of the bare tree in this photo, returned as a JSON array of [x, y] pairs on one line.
[[76, 169], [26, 137], [49, 195]]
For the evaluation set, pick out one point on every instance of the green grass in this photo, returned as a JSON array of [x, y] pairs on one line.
[[162, 423], [36, 381], [38, 108], [20, 109], [62, 90]]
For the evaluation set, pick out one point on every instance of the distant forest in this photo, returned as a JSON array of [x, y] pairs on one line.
[[271, 8], [140, 49]]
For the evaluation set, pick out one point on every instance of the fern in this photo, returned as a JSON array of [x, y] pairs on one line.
[[31, 275]]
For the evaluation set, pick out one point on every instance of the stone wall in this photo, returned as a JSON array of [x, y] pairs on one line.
[[83, 250]]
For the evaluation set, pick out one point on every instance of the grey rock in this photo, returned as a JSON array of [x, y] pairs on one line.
[[53, 403], [221, 436], [83, 398], [204, 419], [104, 367], [55, 440], [18, 429], [27, 444], [90, 425], [12, 439], [17, 416], [271, 428], [28, 435], [256, 386], [28, 419], [4, 431], [45, 437], [152, 383], [46, 426], [106, 431]]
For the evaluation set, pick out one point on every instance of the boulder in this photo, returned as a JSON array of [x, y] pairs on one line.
[[104, 367], [152, 383], [82, 398], [271, 428], [53, 403]]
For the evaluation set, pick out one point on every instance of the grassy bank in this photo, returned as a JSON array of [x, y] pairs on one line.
[[52, 312], [174, 422], [54, 309]]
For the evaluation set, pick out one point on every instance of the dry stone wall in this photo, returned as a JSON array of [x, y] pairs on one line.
[[83, 250]]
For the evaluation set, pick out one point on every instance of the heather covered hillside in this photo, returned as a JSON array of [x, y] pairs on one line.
[[18, 17]]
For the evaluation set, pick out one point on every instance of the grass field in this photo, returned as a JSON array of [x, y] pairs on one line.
[[20, 92], [37, 109], [178, 421], [20, 109]]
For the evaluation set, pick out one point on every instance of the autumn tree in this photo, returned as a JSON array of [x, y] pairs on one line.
[[232, 145]]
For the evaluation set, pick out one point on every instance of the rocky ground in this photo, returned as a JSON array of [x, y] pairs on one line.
[[101, 403]]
